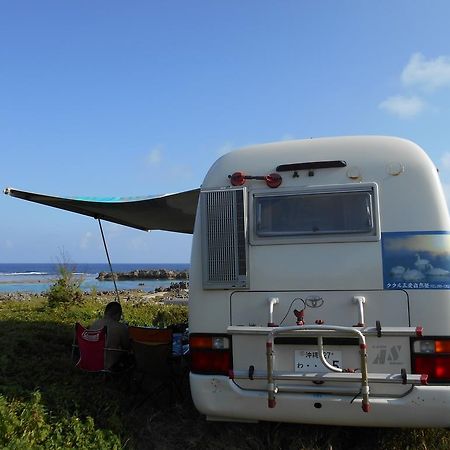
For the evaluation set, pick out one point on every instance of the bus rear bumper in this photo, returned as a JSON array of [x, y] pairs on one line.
[[219, 398]]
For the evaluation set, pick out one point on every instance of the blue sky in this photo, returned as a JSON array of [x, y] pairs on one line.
[[113, 98]]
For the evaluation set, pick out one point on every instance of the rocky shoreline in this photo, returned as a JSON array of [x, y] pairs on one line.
[[177, 292], [158, 274]]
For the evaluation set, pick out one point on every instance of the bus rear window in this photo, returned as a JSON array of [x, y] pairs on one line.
[[310, 214]]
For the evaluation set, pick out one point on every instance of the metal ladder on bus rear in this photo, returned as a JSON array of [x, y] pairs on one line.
[[275, 378], [338, 374]]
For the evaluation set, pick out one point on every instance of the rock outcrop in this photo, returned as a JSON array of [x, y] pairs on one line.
[[157, 274]]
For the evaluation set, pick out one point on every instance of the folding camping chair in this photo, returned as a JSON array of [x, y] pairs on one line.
[[91, 345], [150, 335], [152, 348]]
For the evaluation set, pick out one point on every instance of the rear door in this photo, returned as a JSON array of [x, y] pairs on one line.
[[297, 352]]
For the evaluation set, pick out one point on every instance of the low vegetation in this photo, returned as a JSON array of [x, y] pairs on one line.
[[66, 289], [46, 403]]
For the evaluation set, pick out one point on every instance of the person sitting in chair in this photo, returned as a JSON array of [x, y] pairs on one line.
[[116, 337]]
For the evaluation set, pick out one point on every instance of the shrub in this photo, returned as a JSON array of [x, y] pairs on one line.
[[150, 314], [29, 425], [66, 288]]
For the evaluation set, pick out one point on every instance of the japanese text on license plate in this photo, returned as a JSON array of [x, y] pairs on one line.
[[309, 361]]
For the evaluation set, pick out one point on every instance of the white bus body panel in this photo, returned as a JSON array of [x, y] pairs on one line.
[[408, 198]]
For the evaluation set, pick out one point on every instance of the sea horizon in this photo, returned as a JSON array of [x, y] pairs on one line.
[[38, 277]]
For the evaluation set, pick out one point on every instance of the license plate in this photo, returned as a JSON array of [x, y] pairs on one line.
[[309, 361]]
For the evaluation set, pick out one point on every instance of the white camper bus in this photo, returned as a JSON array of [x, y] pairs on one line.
[[319, 286]]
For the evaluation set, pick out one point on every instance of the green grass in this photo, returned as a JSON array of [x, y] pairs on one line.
[[47, 403]]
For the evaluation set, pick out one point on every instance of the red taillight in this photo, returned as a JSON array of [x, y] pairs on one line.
[[237, 179], [210, 362], [436, 367], [431, 356], [273, 180], [210, 354]]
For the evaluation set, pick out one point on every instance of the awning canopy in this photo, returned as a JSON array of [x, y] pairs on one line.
[[170, 212]]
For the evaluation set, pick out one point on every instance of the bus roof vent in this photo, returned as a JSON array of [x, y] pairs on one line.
[[224, 244]]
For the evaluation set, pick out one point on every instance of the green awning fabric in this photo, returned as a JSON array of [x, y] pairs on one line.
[[171, 212]]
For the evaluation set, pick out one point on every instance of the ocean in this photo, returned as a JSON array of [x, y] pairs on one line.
[[38, 277]]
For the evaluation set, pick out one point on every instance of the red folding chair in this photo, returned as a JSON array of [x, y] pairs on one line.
[[91, 345]]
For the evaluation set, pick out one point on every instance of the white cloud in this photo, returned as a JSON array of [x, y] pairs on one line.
[[226, 148], [428, 74], [112, 230], [8, 244], [445, 158], [403, 107], [154, 156], [85, 240], [138, 243], [446, 188], [181, 172]]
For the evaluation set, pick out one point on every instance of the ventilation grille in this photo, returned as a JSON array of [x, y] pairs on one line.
[[224, 239]]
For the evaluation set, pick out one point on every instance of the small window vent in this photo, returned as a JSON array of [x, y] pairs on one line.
[[224, 219]]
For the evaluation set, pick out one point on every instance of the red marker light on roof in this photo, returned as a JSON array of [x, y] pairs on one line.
[[237, 179], [273, 180]]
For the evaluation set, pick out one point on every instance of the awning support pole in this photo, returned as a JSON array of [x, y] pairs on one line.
[[109, 261]]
